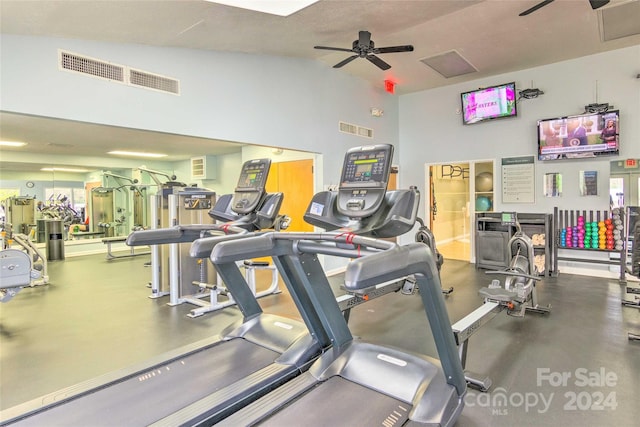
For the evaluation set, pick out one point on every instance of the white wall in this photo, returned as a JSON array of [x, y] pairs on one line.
[[431, 129], [256, 99], [296, 104]]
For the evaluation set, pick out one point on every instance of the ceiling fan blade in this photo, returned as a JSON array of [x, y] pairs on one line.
[[597, 4], [378, 62], [345, 61], [364, 39], [536, 7], [392, 49], [333, 48]]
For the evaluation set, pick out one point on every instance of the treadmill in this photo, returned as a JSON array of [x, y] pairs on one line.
[[249, 209], [357, 383], [220, 374]]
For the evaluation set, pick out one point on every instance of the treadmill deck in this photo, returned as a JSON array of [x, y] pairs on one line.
[[150, 395]]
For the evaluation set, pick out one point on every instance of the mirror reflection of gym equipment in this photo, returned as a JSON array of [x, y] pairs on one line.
[[262, 351], [114, 207], [192, 213], [22, 264]]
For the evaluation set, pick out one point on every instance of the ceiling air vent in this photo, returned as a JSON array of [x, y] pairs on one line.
[[618, 21], [153, 81], [449, 64], [93, 67]]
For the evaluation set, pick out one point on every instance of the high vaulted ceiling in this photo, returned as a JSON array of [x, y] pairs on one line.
[[488, 34]]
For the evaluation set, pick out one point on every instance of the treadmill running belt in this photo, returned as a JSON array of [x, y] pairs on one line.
[[339, 402], [158, 392]]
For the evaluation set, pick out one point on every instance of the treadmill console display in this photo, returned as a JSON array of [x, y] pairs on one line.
[[253, 175], [365, 175], [370, 167], [250, 189]]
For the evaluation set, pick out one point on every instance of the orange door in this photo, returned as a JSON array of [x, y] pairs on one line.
[[295, 180]]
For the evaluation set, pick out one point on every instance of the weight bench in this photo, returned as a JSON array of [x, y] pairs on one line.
[[121, 239]]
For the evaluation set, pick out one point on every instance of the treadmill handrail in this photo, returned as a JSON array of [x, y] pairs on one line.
[[417, 259], [178, 234], [343, 244], [400, 261], [201, 248]]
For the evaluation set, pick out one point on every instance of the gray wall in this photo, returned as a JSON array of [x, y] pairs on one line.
[[296, 104], [265, 100], [431, 129]]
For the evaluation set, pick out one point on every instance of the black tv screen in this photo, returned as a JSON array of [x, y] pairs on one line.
[[489, 103], [582, 136]]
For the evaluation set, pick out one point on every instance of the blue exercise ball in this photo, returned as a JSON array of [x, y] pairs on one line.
[[483, 204]]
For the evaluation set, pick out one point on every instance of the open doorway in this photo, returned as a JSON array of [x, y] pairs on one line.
[[449, 203], [457, 191]]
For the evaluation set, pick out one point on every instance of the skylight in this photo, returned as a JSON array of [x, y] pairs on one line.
[[274, 7]]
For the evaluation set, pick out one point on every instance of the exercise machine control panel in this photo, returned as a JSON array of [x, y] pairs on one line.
[[251, 185], [365, 175], [508, 218]]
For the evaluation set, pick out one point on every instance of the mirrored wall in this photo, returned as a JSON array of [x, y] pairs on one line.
[[65, 173]]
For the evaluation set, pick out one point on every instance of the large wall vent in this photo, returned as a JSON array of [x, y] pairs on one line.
[[85, 65], [365, 132], [348, 128], [153, 81], [355, 130], [94, 67]]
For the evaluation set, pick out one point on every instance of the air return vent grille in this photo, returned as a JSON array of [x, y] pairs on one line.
[[94, 67], [365, 132], [348, 128], [355, 130], [153, 81], [119, 73]]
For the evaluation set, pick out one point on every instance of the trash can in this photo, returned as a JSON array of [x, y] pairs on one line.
[[54, 239]]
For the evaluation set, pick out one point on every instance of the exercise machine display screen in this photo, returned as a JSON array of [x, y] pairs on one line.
[[253, 175], [365, 175], [367, 166], [250, 189], [508, 218]]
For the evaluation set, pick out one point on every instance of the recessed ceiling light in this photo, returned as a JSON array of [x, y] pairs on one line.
[[12, 144], [136, 154], [274, 7], [64, 170]]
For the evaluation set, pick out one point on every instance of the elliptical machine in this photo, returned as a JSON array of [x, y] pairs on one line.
[[21, 266]]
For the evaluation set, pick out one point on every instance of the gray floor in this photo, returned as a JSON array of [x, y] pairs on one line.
[[95, 317]]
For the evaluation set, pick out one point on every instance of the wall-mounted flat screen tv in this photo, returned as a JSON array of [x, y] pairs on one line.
[[489, 103], [583, 136]]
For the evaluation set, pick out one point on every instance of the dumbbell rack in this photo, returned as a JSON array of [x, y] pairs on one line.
[[567, 218]]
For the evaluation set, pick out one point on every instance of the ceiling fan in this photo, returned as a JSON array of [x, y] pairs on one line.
[[365, 48], [595, 4]]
